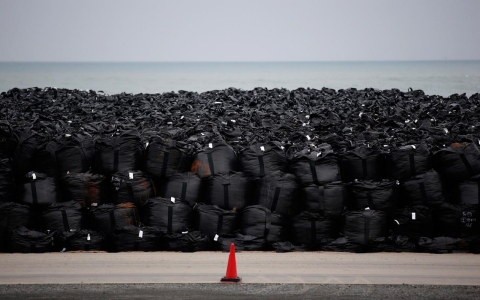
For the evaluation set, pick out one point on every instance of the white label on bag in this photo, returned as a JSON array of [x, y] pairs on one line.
[[414, 216], [262, 148], [140, 234], [34, 176], [130, 175], [216, 238], [172, 199], [397, 222], [210, 145], [88, 237], [308, 137]]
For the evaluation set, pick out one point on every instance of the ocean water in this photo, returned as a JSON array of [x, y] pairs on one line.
[[433, 77]]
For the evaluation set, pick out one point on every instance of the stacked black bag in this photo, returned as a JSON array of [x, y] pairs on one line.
[[170, 215], [259, 160], [217, 158], [186, 186], [163, 158], [231, 191], [118, 154], [214, 221], [85, 188]]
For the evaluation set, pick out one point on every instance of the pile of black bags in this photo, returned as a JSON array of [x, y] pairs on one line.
[[302, 170]]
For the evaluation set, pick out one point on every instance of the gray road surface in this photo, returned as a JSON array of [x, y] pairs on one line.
[[253, 267], [214, 291]]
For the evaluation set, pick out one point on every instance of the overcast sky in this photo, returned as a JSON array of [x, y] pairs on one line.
[[199, 30]]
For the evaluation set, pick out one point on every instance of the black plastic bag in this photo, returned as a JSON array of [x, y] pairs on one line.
[[230, 191], [118, 154], [259, 160], [12, 215], [329, 200], [107, 217], [24, 240], [186, 186], [85, 188], [223, 242], [8, 141], [457, 220], [317, 167], [457, 162], [413, 222], [279, 192], [376, 195], [438, 245], [38, 189], [425, 189], [132, 238], [343, 244], [361, 227], [132, 186], [186, 242], [170, 215], [259, 221], [362, 163], [85, 240], [44, 160], [24, 152], [405, 162], [74, 154], [214, 221], [215, 159], [253, 243], [65, 216], [283, 247], [6, 181], [468, 192], [392, 243], [163, 158], [312, 230]]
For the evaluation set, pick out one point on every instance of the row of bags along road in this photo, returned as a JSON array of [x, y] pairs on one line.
[[324, 170]]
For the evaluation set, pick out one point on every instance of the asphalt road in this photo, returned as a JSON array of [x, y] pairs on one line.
[[213, 291], [253, 267]]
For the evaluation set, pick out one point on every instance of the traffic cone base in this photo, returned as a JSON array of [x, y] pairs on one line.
[[231, 275], [225, 279]]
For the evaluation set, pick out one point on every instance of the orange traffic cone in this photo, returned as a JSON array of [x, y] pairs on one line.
[[231, 275]]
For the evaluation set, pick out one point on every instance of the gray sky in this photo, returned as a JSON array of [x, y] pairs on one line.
[[261, 30]]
